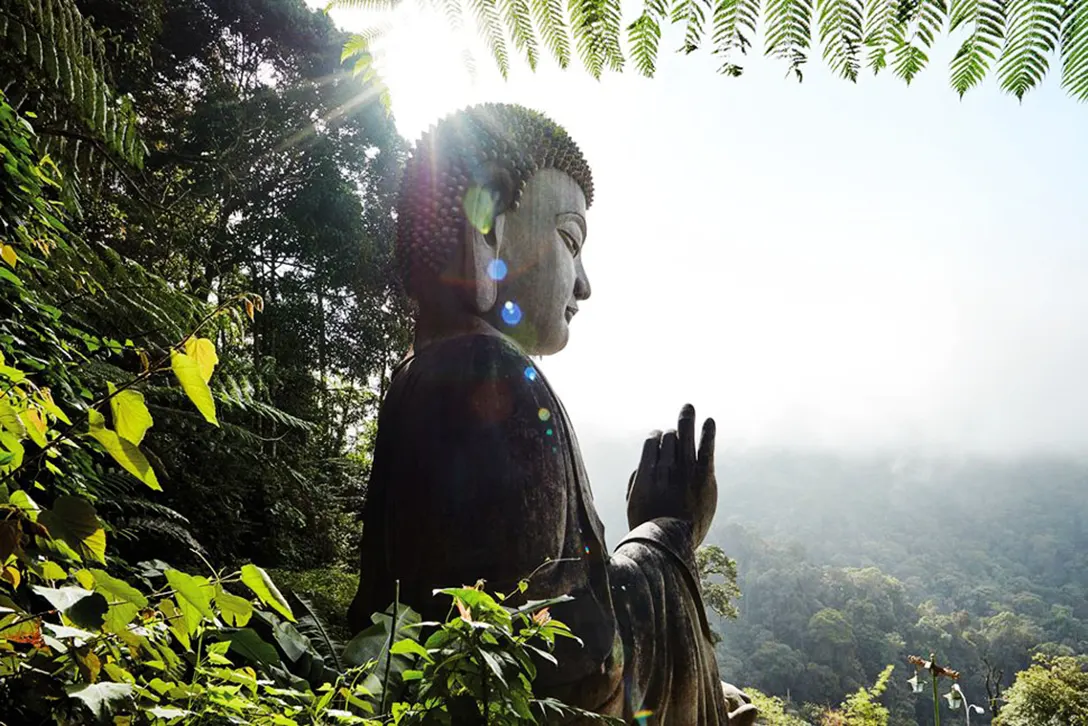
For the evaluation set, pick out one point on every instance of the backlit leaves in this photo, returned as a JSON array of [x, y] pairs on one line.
[[190, 375], [74, 521], [1018, 37], [203, 352], [123, 451], [266, 591], [131, 419]]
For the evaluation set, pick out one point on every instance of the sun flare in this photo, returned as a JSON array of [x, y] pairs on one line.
[[429, 68]]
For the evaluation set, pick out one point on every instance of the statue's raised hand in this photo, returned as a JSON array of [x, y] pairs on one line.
[[675, 480]]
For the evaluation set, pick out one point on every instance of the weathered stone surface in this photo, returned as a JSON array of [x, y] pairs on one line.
[[477, 471]]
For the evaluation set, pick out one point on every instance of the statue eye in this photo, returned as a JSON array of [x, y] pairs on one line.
[[572, 244]]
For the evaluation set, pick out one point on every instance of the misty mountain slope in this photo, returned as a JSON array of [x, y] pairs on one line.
[[847, 564]]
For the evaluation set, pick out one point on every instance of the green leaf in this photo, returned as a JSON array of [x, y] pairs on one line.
[[50, 570], [13, 450], [176, 620], [235, 610], [73, 520], [9, 419], [410, 647], [99, 697], [117, 589], [123, 451], [131, 419], [248, 644], [262, 586], [196, 591], [203, 352], [189, 375]]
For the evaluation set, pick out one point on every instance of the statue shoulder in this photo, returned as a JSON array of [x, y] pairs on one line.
[[467, 359]]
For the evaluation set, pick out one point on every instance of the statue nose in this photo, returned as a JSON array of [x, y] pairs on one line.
[[582, 289]]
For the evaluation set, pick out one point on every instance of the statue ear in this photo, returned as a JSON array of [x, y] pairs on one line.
[[485, 208], [483, 249]]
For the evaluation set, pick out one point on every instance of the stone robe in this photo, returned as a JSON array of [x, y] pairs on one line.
[[477, 474]]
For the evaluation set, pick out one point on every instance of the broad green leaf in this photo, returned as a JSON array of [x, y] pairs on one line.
[[115, 589], [84, 578], [13, 449], [123, 451], [192, 382], [203, 352], [35, 426], [50, 406], [176, 620], [131, 419], [50, 570], [73, 520], [99, 697], [22, 500], [197, 591], [167, 712], [9, 418], [118, 674], [248, 644], [410, 647], [119, 616], [236, 611], [262, 586]]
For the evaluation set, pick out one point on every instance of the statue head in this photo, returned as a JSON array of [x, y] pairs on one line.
[[491, 222]]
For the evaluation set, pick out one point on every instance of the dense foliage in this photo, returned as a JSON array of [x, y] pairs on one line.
[[1016, 41], [268, 169]]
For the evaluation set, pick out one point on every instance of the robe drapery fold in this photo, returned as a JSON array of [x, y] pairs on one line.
[[477, 474]]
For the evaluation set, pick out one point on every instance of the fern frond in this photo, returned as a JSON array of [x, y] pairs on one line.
[[880, 19], [362, 5], [913, 30], [313, 627], [840, 25], [57, 40], [519, 23], [454, 11], [487, 19], [1032, 29], [551, 20], [972, 61], [644, 34], [734, 24], [788, 31], [1074, 51], [595, 25], [691, 14]]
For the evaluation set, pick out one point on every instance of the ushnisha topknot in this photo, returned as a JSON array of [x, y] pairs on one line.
[[473, 148]]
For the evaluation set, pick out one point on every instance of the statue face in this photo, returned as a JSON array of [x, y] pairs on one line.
[[540, 246]]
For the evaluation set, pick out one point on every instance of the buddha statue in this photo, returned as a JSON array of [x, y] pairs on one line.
[[477, 471]]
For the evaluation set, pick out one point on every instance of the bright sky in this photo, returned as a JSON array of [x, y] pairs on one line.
[[818, 264]]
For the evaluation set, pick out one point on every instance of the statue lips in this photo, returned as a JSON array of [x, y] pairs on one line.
[[571, 310]]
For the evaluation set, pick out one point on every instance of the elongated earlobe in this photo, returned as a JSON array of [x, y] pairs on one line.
[[480, 262]]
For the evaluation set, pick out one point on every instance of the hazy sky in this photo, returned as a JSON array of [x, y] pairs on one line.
[[819, 264]]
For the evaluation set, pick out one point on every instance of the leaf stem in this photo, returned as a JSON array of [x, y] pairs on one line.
[[389, 648]]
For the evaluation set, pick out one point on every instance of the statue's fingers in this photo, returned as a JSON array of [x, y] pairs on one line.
[[706, 445], [647, 465], [669, 445], [686, 432]]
